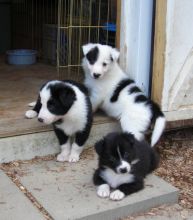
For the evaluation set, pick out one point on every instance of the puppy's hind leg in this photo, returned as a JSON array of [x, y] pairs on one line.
[[34, 112]]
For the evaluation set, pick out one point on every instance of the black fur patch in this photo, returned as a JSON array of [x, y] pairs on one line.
[[134, 89], [62, 137], [119, 88], [62, 98], [156, 111], [82, 136], [140, 98], [92, 55]]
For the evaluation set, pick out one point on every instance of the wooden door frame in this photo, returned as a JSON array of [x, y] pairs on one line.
[[159, 51]]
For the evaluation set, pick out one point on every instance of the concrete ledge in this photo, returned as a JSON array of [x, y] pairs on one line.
[[24, 147], [66, 191]]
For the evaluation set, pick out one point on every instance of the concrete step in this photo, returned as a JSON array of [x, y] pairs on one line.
[[14, 205], [30, 145], [66, 191]]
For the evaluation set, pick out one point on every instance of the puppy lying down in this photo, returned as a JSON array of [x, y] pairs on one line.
[[123, 164], [65, 105]]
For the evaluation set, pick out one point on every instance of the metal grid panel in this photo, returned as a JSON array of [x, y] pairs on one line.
[[80, 22], [58, 29]]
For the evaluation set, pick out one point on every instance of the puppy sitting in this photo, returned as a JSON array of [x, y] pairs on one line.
[[112, 91], [123, 164], [66, 105]]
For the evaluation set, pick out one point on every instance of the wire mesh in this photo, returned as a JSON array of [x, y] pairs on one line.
[[58, 29]]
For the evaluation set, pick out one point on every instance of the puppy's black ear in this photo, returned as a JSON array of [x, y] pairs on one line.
[[129, 137], [67, 96], [99, 146]]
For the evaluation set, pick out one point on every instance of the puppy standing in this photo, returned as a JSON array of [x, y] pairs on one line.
[[66, 105], [123, 164], [116, 94]]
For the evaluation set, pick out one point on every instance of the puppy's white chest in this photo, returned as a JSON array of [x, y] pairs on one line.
[[114, 179]]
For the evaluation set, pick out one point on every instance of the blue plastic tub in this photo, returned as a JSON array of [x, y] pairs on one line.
[[21, 57]]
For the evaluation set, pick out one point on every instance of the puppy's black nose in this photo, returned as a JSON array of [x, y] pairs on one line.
[[123, 170], [96, 75], [40, 120]]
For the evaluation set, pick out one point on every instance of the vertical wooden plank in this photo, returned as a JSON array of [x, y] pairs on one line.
[[159, 51], [118, 24]]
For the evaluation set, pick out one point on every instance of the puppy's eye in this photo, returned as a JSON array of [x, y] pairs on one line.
[[104, 64], [112, 159], [50, 103], [126, 155]]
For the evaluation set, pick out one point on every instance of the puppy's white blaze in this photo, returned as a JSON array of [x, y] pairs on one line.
[[117, 195], [124, 165], [158, 130], [31, 114], [103, 190], [115, 179], [134, 161], [47, 116]]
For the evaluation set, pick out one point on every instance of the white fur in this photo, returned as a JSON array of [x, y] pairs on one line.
[[65, 152], [31, 104], [158, 129], [115, 179], [75, 153], [44, 113], [103, 190], [30, 114], [124, 165], [134, 117], [117, 195], [73, 122]]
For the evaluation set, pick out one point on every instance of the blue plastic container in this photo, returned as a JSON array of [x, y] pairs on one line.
[[109, 26], [21, 57]]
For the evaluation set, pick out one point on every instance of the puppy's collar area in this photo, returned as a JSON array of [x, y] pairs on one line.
[[58, 122]]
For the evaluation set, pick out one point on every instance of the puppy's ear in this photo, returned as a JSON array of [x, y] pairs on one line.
[[129, 137], [67, 96], [99, 146], [114, 54], [87, 47]]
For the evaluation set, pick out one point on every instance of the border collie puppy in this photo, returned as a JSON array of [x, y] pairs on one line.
[[112, 91], [66, 105], [123, 164]]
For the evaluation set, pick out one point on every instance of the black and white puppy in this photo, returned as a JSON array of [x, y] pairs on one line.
[[66, 105], [123, 164], [112, 91]]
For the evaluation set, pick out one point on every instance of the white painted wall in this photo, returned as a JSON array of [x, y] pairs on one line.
[[177, 97], [135, 41]]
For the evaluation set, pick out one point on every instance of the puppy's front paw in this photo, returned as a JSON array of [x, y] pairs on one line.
[[117, 195], [31, 104], [62, 157], [31, 114], [74, 157], [103, 190]]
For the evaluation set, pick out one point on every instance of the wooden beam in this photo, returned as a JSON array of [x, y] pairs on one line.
[[159, 51]]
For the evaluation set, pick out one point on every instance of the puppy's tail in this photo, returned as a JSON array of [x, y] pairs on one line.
[[159, 125]]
